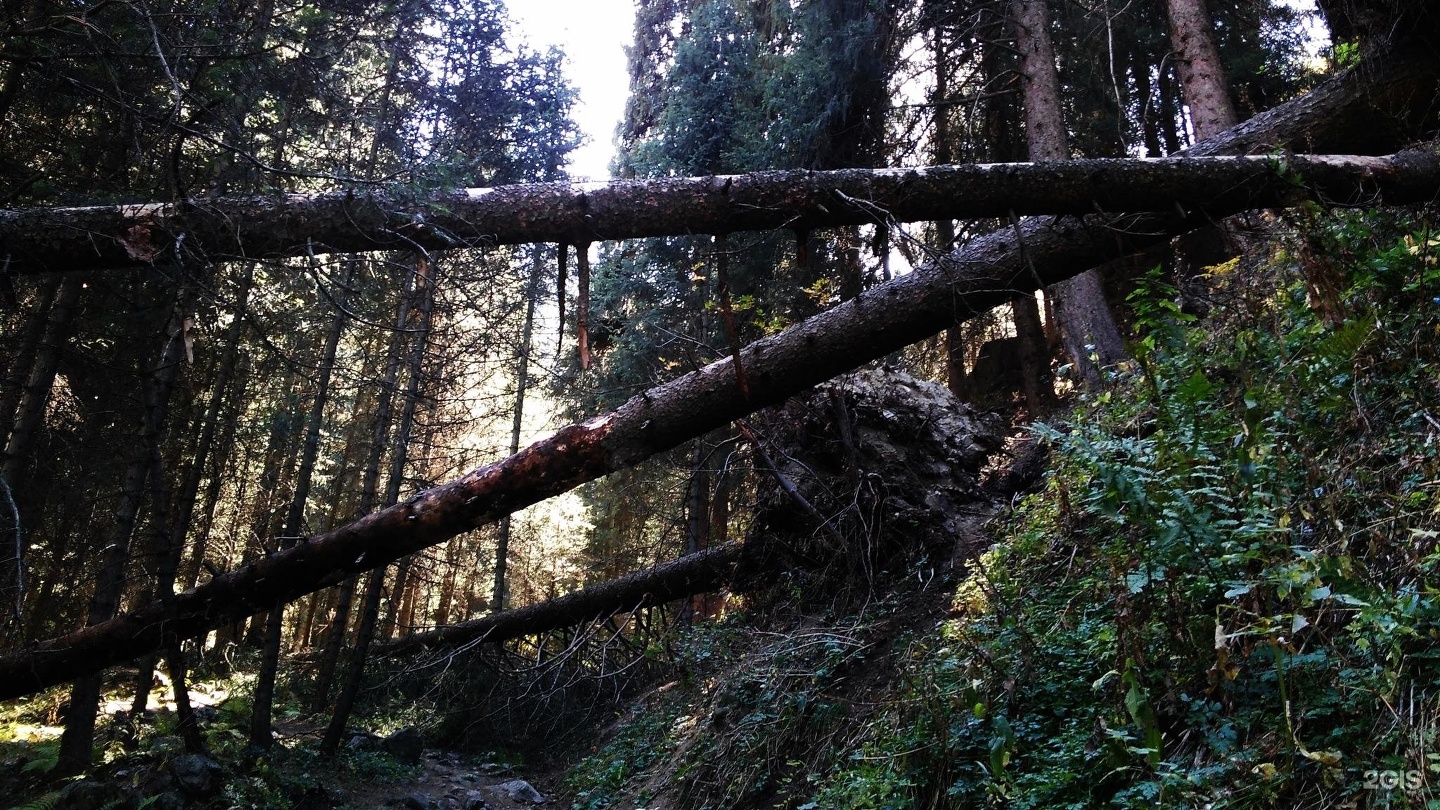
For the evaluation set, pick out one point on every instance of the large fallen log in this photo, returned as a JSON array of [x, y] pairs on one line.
[[115, 236], [985, 273], [108, 237], [926, 447]]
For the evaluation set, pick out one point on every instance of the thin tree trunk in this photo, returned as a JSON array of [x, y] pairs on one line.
[[375, 588], [169, 546], [22, 361], [385, 629], [369, 485], [500, 593], [190, 486], [22, 364], [160, 543], [265, 521], [233, 407], [582, 302], [31, 410], [323, 604], [697, 511], [448, 582], [1149, 107], [955, 377], [261, 735], [697, 502], [404, 623], [1172, 123], [77, 741]]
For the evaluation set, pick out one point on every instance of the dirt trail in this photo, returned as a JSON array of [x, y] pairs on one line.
[[453, 781]]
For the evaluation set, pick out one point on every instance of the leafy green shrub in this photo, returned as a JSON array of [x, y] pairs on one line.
[[1226, 594]]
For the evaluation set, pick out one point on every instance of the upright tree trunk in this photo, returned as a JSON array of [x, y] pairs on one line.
[[77, 741], [31, 410], [1202, 80], [955, 377], [265, 513], [697, 502], [234, 406], [1207, 98], [160, 550], [1045, 134], [29, 414], [12, 542], [1079, 303], [403, 593], [582, 302], [446, 601], [1036, 379], [499, 597], [337, 511], [190, 485], [369, 486], [168, 547], [22, 360], [1149, 104], [375, 587], [260, 731]]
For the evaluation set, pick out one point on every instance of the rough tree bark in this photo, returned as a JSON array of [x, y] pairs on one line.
[[1202, 80], [1045, 135], [98, 237], [987, 272], [1083, 313]]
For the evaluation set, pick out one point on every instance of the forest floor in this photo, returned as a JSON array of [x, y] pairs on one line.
[[139, 763]]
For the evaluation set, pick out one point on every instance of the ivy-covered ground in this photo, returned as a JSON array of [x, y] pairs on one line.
[[1224, 596]]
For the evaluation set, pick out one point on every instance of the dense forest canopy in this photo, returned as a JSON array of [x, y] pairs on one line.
[[289, 289]]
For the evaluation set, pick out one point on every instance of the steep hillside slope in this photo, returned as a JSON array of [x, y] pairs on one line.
[[1223, 596]]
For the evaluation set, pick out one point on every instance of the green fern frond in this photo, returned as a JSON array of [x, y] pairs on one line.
[[49, 801]]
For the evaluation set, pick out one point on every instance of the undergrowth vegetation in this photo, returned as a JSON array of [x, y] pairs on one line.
[[1225, 595], [135, 755]]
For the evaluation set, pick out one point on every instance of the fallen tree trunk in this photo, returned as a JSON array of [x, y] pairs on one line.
[[701, 572], [108, 237], [985, 273], [1397, 85]]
